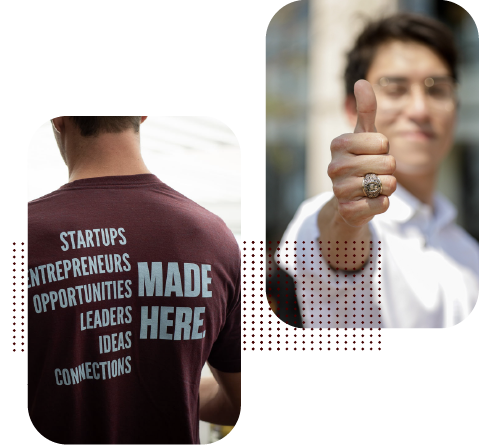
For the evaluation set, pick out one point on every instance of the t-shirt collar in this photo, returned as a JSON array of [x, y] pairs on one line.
[[404, 207], [103, 181]]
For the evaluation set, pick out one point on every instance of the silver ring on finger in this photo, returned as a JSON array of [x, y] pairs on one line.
[[372, 186]]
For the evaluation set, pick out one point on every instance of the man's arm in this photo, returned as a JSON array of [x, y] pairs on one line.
[[333, 229], [220, 397]]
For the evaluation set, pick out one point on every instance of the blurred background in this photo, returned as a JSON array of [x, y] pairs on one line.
[[197, 156], [306, 45]]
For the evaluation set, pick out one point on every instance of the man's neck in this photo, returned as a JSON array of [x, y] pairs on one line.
[[99, 172], [110, 154], [422, 187]]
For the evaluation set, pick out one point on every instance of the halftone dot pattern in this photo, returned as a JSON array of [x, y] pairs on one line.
[[323, 382], [18, 311], [330, 293]]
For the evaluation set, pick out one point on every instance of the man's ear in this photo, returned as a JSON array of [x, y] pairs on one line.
[[143, 118], [57, 123], [350, 110]]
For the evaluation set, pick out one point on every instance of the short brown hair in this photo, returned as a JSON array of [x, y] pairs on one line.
[[95, 125], [402, 26]]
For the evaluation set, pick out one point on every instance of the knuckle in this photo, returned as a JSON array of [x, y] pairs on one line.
[[336, 168], [391, 163], [341, 142], [328, 169], [385, 204], [331, 170], [384, 143], [338, 190], [392, 184]]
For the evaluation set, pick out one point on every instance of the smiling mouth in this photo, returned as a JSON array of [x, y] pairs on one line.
[[417, 135]]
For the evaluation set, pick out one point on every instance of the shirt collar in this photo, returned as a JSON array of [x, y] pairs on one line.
[[404, 207]]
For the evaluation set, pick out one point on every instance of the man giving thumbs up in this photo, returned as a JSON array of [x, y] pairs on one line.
[[415, 287]]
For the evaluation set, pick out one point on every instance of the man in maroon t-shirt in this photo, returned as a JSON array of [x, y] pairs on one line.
[[132, 288]]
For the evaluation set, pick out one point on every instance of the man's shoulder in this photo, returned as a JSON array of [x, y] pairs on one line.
[[39, 202], [197, 217], [313, 205], [462, 240], [151, 210], [304, 223]]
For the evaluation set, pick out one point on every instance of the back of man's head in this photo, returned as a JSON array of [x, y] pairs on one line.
[[91, 126], [405, 27]]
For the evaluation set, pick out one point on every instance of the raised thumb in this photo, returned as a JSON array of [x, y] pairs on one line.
[[366, 105]]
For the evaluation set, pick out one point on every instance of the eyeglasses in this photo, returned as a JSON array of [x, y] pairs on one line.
[[394, 93]]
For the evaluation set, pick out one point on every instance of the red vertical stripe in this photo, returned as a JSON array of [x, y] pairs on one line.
[[16, 345]]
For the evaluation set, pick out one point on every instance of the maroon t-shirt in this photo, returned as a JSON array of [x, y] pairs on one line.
[[132, 288]]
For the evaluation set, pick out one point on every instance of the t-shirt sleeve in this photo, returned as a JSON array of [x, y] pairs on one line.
[[225, 355]]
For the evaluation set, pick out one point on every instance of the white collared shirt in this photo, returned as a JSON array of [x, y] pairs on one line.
[[428, 273]]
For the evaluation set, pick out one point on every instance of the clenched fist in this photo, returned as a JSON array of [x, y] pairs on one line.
[[354, 155]]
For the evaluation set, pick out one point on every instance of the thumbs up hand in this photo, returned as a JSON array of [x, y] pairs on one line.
[[353, 156]]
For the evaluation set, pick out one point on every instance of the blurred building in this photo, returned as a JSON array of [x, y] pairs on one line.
[[286, 124]]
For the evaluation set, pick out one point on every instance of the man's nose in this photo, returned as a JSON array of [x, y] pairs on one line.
[[418, 105]]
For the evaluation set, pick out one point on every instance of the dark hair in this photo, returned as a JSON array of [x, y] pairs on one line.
[[405, 27], [95, 125]]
